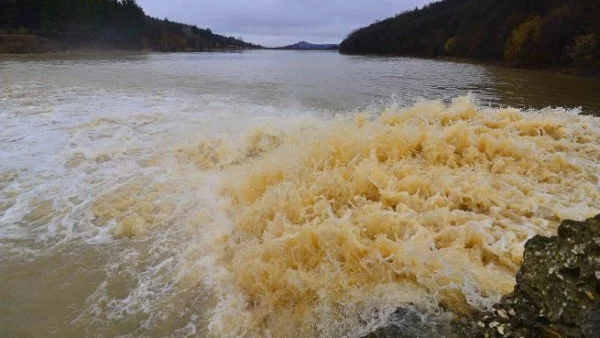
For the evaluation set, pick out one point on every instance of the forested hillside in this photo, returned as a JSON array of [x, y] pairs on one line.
[[522, 33], [66, 24]]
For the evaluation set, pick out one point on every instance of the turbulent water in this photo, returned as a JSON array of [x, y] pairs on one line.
[[277, 193]]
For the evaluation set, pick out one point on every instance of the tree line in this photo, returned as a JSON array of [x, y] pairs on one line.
[[114, 23], [521, 33]]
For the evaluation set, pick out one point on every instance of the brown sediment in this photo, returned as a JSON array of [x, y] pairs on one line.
[[334, 228], [429, 205]]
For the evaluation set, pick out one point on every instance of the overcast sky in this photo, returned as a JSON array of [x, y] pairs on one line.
[[279, 22]]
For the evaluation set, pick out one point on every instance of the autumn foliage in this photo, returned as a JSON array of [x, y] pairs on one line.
[[522, 33]]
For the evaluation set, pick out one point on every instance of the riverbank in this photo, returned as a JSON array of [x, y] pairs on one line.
[[23, 44], [35, 44], [547, 35]]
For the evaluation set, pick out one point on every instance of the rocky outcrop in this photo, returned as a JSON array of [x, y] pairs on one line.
[[557, 292], [558, 287]]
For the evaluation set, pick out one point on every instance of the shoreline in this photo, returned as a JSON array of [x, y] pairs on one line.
[[15, 44], [36, 44], [88, 51]]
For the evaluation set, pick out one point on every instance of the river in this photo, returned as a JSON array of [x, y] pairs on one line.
[[276, 193]]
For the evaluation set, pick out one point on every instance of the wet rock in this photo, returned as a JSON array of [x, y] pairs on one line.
[[558, 287], [557, 293]]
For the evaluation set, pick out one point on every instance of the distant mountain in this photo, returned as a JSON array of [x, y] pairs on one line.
[[303, 45], [522, 33]]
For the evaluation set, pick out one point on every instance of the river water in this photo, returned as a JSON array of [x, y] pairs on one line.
[[277, 193]]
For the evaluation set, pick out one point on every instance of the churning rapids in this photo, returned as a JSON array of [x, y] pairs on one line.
[[162, 195]]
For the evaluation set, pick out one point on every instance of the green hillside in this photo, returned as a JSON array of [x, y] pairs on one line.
[[39, 25], [522, 33]]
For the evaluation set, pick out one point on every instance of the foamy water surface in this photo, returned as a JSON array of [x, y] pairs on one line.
[[277, 193]]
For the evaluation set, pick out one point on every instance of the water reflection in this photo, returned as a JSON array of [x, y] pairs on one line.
[[535, 89]]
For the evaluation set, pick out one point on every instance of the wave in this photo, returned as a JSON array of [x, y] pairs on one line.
[[337, 226], [324, 226]]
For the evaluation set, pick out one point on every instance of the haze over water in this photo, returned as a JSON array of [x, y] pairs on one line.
[[236, 193]]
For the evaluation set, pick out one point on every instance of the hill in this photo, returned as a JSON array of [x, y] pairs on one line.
[[303, 45], [522, 33], [48, 25]]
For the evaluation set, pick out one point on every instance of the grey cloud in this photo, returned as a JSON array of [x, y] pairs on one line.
[[274, 23]]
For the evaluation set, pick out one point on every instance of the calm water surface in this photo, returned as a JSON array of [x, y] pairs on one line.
[[98, 142]]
